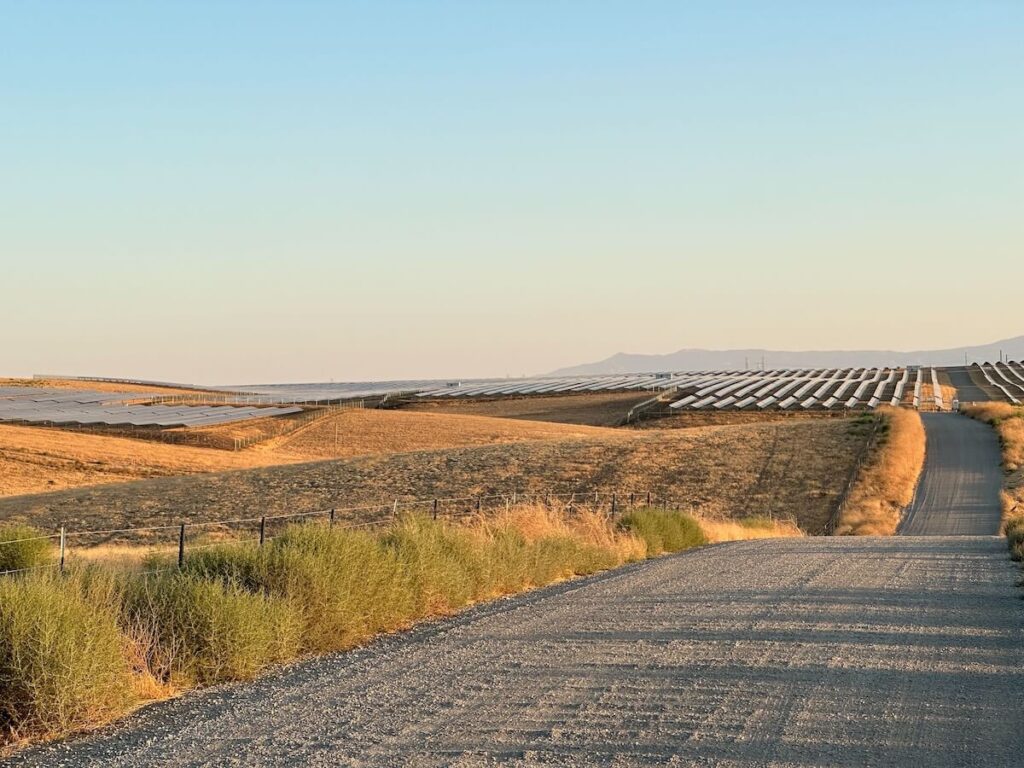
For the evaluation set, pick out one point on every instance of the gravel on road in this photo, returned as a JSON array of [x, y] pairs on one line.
[[958, 493], [828, 651]]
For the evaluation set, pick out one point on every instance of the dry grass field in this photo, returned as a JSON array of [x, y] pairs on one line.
[[373, 432], [96, 386], [599, 409], [792, 470], [36, 459], [712, 418], [887, 481]]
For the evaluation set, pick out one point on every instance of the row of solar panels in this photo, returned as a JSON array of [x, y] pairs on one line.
[[559, 385], [51, 395], [1008, 378], [327, 392], [820, 389], [30, 405]]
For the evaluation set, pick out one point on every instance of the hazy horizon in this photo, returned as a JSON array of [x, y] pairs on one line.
[[253, 192]]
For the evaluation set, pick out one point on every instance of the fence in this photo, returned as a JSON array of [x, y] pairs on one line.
[[851, 481], [178, 539]]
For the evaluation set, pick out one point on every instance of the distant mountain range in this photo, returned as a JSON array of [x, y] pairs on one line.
[[738, 359]]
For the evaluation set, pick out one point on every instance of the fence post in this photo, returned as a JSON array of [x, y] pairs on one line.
[[181, 547], [613, 505], [394, 510], [648, 498], [632, 500], [330, 519], [63, 548], [478, 505], [263, 530], [435, 509]]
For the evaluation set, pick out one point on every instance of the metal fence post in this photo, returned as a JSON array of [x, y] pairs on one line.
[[648, 498], [394, 510], [330, 519], [632, 500], [613, 505], [181, 547], [478, 505], [435, 509], [263, 530], [63, 548]]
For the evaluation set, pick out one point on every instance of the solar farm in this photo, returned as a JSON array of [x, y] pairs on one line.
[[833, 390], [62, 407]]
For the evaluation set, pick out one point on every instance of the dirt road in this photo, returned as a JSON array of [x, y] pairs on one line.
[[840, 652], [958, 494]]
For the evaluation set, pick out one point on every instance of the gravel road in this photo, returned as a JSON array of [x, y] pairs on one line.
[[958, 494], [841, 652]]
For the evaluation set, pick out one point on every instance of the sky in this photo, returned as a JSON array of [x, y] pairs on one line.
[[229, 192]]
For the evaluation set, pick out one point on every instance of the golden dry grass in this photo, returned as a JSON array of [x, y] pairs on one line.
[[374, 432], [928, 396], [717, 531], [96, 386], [37, 459], [597, 409], [795, 469], [887, 482]]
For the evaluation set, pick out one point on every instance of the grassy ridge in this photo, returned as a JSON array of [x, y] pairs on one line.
[[81, 649], [886, 484]]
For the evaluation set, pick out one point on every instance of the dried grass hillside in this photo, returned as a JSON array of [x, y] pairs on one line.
[[793, 469], [37, 459]]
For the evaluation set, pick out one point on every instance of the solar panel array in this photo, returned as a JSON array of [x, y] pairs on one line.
[[327, 392], [1007, 377], [35, 405], [556, 385], [804, 389], [819, 389]]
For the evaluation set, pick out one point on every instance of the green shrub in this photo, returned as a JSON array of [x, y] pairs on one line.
[[207, 632], [663, 531], [75, 648], [62, 663], [442, 566], [21, 547], [344, 585]]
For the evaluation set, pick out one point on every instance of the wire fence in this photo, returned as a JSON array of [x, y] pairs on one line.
[[168, 545]]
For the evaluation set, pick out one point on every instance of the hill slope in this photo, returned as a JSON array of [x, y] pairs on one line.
[[710, 359]]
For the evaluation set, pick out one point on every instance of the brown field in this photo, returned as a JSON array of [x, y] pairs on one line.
[[599, 410], [95, 386], [711, 418], [887, 481], [373, 432], [37, 459], [793, 470]]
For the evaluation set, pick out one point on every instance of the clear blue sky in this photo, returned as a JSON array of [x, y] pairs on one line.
[[256, 191]]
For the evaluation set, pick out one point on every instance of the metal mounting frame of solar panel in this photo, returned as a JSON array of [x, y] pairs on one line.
[[1010, 382], [901, 386]]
